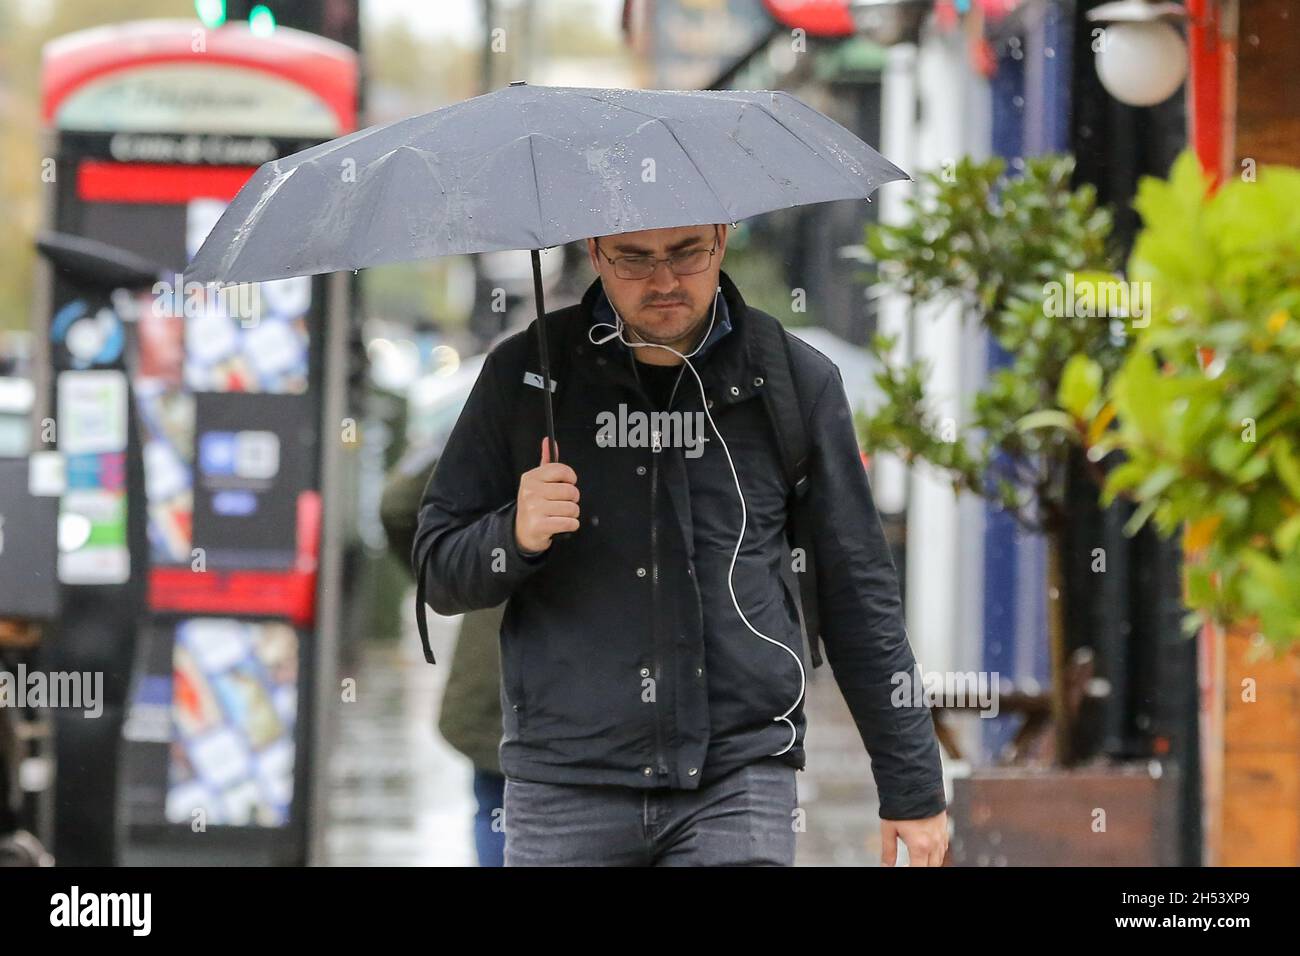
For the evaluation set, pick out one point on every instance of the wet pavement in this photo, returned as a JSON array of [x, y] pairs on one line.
[[400, 795]]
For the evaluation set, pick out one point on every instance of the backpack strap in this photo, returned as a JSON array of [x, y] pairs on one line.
[[422, 622], [769, 345]]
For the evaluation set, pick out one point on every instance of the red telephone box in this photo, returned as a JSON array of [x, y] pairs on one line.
[[201, 436]]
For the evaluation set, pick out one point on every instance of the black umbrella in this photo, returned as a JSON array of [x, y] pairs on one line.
[[530, 167]]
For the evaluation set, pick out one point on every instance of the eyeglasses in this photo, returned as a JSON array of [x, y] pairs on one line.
[[688, 262]]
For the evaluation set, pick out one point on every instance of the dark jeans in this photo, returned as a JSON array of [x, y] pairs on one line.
[[490, 842], [746, 818]]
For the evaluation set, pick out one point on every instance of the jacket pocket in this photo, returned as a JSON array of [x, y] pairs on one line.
[[792, 683], [792, 612]]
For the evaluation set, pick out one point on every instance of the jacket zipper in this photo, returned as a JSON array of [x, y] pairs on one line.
[[656, 446], [654, 599], [661, 765]]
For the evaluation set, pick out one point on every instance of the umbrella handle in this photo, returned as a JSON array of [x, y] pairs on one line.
[[543, 354]]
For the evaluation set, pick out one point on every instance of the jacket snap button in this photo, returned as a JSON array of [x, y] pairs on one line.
[[514, 706], [735, 390], [758, 382], [640, 572], [645, 672], [647, 771], [699, 672], [692, 772], [709, 403], [640, 469]]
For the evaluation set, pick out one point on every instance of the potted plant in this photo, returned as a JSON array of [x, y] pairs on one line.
[[1204, 418], [1025, 257], [999, 246]]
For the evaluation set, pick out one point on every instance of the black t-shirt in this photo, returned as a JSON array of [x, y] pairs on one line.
[[658, 381]]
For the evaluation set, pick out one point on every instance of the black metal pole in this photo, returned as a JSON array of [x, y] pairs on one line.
[[544, 353]]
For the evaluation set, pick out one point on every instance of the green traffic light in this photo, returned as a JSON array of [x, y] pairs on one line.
[[212, 13], [261, 21]]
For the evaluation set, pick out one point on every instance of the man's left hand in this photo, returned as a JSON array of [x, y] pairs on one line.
[[926, 840]]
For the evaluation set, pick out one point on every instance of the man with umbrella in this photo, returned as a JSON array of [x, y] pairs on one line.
[[652, 680], [653, 683]]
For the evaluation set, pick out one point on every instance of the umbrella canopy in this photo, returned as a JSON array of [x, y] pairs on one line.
[[530, 167], [98, 263]]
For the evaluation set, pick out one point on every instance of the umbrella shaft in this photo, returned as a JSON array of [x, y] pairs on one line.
[[544, 354]]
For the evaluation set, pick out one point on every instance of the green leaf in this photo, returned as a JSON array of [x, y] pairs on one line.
[[1140, 516], [1156, 482], [1080, 389], [1047, 418], [1265, 570], [1287, 535], [1123, 478], [1288, 468]]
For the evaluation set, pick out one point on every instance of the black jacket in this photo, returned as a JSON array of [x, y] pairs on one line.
[[623, 658]]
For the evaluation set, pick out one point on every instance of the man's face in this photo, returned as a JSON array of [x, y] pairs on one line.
[[664, 308]]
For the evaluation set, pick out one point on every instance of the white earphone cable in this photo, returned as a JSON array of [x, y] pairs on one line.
[[744, 512]]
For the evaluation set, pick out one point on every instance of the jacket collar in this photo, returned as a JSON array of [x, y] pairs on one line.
[[724, 364]]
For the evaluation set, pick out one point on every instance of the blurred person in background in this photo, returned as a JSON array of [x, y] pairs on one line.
[[470, 713], [469, 710]]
